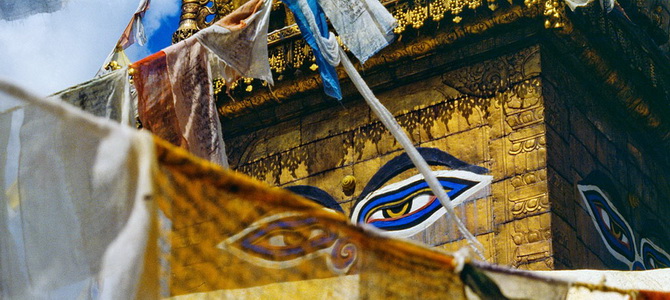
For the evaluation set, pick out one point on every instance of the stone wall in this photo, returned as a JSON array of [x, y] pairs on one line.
[[587, 134]]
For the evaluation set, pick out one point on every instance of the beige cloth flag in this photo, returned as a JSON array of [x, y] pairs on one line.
[[80, 225], [134, 32], [194, 106], [176, 99], [107, 96], [14, 10], [239, 40]]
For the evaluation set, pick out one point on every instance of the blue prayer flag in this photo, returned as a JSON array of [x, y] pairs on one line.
[[331, 84]]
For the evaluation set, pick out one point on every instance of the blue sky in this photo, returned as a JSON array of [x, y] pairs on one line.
[[46, 53], [162, 37]]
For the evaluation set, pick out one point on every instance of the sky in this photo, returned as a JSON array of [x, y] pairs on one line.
[[46, 53]]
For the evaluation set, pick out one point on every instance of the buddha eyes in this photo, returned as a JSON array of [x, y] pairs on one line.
[[618, 235], [615, 229], [286, 240], [280, 241], [403, 208], [653, 256], [408, 207]]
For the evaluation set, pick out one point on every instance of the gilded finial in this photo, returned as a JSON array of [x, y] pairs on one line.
[[348, 185]]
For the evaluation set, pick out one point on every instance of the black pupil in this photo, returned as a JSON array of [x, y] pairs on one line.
[[395, 209]]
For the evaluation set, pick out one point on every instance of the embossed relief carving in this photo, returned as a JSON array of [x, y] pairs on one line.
[[510, 90], [525, 151], [526, 196], [525, 243], [531, 245], [495, 76]]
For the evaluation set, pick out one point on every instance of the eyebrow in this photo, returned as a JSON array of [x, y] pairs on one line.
[[317, 195], [401, 163]]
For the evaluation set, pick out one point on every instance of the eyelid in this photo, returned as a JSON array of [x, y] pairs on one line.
[[651, 250], [461, 186], [401, 163], [601, 209]]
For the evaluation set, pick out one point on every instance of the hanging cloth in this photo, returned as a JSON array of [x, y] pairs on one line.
[[155, 104], [14, 10], [84, 207], [107, 96], [134, 32], [194, 105], [350, 16], [175, 99], [312, 23], [239, 41]]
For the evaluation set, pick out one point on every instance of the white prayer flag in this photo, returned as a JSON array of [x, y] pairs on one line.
[[14, 10], [240, 41], [365, 26], [80, 225], [107, 96]]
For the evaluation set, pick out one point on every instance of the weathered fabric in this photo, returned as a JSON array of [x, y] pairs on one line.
[[175, 99], [14, 10], [232, 236], [155, 104], [134, 32], [80, 224], [194, 105], [239, 40], [606, 5], [107, 96], [118, 56], [657, 280], [350, 16], [312, 23]]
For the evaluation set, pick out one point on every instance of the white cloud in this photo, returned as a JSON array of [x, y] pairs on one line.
[[158, 10], [50, 52]]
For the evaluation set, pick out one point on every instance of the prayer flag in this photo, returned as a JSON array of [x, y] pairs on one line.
[[175, 99], [312, 23], [155, 103], [81, 221], [365, 26], [14, 10], [193, 98], [134, 32], [107, 96], [239, 41]]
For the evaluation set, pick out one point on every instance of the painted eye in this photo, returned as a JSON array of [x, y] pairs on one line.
[[653, 256], [280, 240], [614, 230], [404, 208], [408, 207], [287, 238]]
